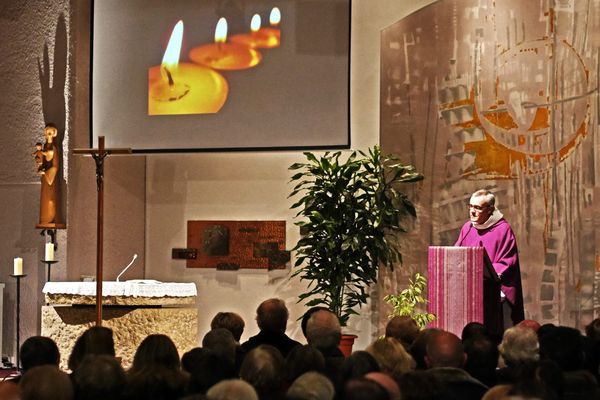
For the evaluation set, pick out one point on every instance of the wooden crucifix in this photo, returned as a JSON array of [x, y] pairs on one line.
[[99, 155]]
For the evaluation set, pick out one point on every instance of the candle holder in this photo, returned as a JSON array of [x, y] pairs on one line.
[[49, 264], [18, 279]]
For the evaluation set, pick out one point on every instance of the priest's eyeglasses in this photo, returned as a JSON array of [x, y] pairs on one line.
[[478, 208]]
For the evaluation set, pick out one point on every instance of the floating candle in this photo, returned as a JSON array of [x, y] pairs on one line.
[[49, 252], [257, 38], [183, 88], [225, 56], [18, 266]]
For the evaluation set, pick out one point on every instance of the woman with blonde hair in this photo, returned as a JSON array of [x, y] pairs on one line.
[[391, 356]]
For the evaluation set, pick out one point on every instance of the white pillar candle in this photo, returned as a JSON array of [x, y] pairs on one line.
[[18, 266], [49, 254]]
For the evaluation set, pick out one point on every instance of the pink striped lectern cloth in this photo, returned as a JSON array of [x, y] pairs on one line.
[[455, 286]]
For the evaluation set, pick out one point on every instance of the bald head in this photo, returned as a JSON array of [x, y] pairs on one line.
[[444, 349], [323, 330], [272, 315]]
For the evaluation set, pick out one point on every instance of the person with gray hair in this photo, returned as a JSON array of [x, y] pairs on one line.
[[502, 292], [311, 386], [232, 389], [271, 317], [519, 346], [324, 332]]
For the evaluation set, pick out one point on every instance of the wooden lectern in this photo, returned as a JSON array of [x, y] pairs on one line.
[[460, 281]]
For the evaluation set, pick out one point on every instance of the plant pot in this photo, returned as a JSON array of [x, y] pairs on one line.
[[346, 344]]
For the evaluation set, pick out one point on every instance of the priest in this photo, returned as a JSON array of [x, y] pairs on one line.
[[487, 228]]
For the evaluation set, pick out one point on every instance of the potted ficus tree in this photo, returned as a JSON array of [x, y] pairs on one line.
[[349, 215]]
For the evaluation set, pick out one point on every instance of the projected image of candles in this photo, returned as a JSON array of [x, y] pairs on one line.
[[183, 88], [222, 55], [258, 37]]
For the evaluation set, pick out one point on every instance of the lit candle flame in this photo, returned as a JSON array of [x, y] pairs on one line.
[[275, 17], [221, 31], [171, 57], [255, 23]]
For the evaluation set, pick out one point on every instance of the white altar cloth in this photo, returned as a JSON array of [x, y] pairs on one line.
[[128, 288]]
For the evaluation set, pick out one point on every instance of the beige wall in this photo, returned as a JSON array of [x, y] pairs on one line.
[[247, 186]]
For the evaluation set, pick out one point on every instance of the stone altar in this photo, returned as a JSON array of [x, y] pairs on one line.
[[132, 309]]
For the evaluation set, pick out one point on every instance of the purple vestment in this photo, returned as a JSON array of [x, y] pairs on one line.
[[501, 247]]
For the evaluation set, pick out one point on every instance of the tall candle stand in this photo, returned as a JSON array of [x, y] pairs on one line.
[[18, 279], [49, 264]]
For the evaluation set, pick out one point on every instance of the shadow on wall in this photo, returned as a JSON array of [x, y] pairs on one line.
[[52, 86]]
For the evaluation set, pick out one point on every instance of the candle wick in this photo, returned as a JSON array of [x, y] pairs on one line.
[[169, 76]]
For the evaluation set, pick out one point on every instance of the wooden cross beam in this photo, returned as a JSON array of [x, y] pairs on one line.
[[99, 155]]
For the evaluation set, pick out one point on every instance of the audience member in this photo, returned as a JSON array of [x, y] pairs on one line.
[[230, 321], [154, 382], [38, 350], [95, 340], [418, 348], [402, 328], [387, 382], [324, 332], [364, 389], [391, 357], [519, 346], [263, 369], [156, 350], [307, 315], [271, 316], [232, 389], [206, 369], [99, 377], [445, 358], [311, 386], [531, 324], [421, 385], [473, 329], [357, 365], [221, 341], [482, 358], [46, 382], [303, 359]]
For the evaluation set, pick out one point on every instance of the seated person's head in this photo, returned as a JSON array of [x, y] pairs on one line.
[[323, 330], [95, 340], [38, 350], [311, 386], [519, 345], [272, 315], [391, 357], [364, 389], [307, 315], [206, 369], [302, 359], [444, 349], [99, 377], [158, 350], [222, 342], [230, 321], [473, 329], [232, 389], [263, 369], [402, 328], [46, 382], [154, 382], [358, 364]]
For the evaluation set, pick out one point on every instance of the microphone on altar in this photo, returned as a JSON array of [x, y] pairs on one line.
[[127, 267]]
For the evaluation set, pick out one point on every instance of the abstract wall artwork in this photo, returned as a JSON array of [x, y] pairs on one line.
[[231, 245], [504, 95]]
